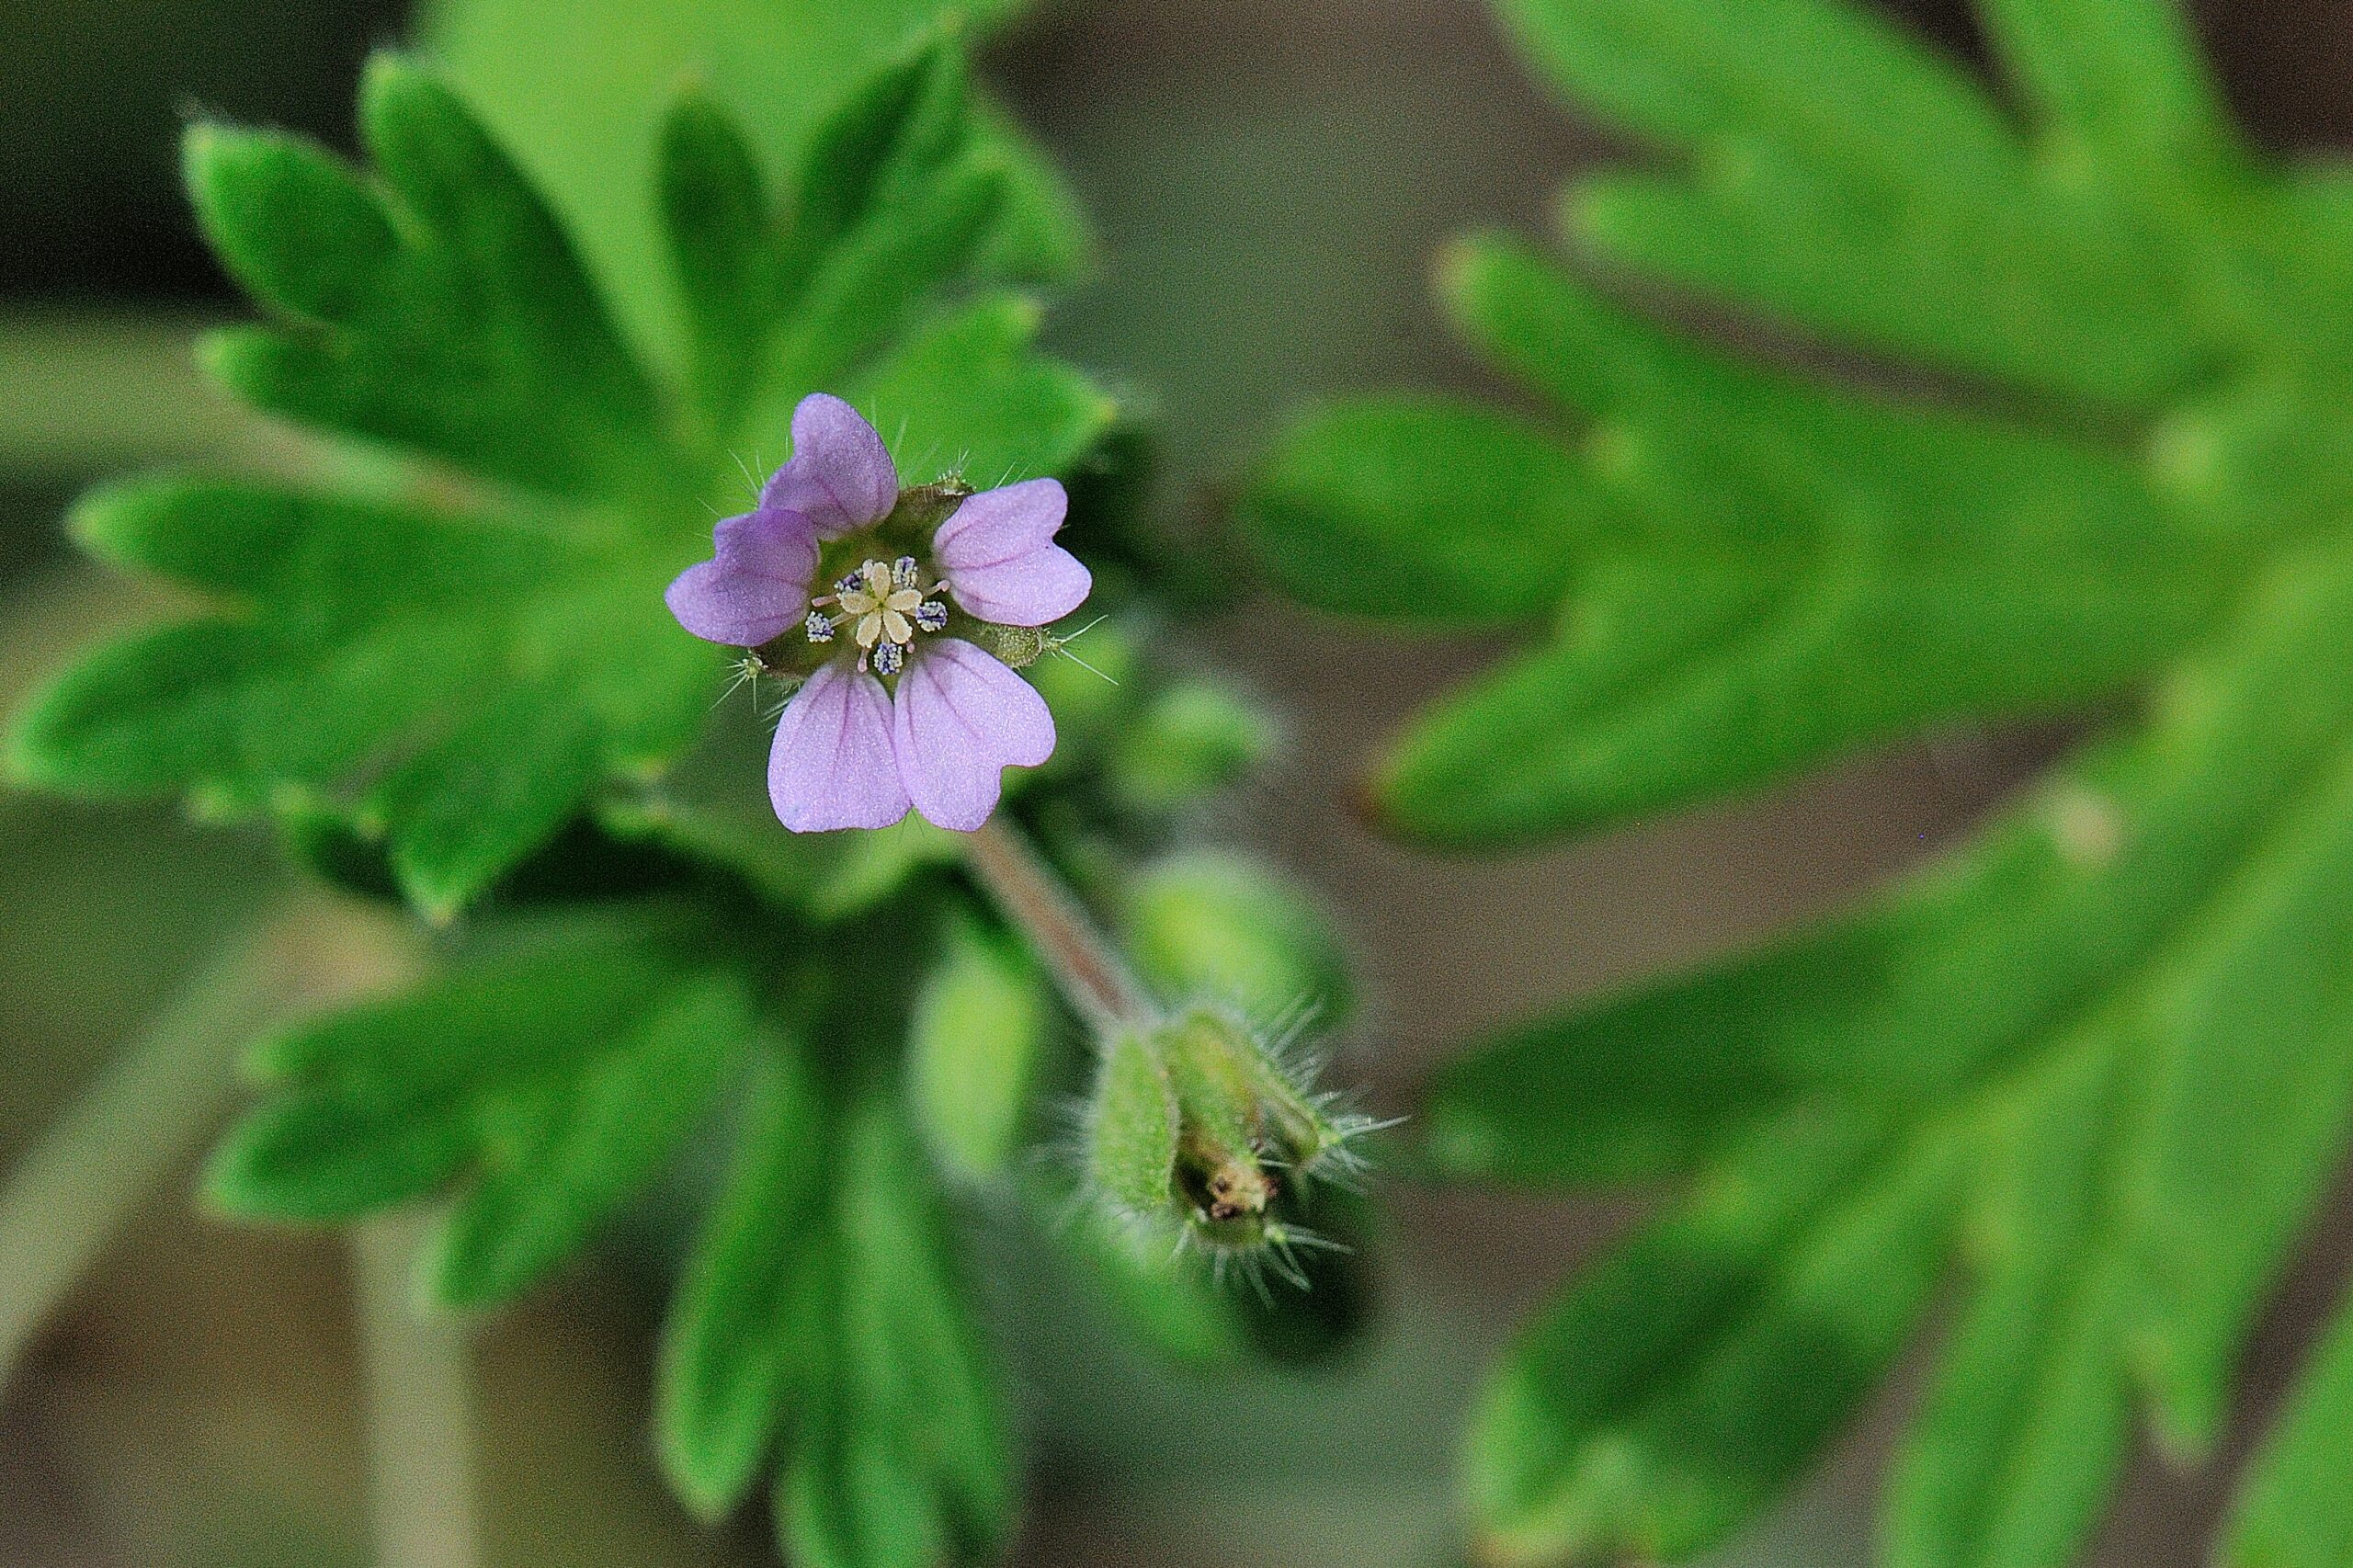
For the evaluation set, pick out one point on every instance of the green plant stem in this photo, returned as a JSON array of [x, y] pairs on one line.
[[148, 1110], [1091, 971], [419, 1374]]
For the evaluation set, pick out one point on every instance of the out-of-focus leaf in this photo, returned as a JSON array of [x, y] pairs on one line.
[[2122, 1009], [2296, 1509], [581, 94], [1157, 1295], [1692, 1374], [1799, 571], [553, 1164], [1185, 744], [907, 1459], [557, 1077], [1422, 512], [742, 1332], [2001, 264], [2127, 1257], [980, 1026], [2024, 1430]]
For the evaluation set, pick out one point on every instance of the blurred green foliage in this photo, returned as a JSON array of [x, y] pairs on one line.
[[580, 94], [2100, 1054]]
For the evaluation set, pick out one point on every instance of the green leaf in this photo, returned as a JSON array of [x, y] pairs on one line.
[[2212, 857], [722, 237], [911, 1335], [459, 661], [740, 1338], [981, 1023], [1693, 1374], [2090, 468], [1165, 1301], [1788, 572], [907, 1461], [582, 94], [1424, 512], [2296, 1509], [2024, 1428], [475, 338], [853, 1497], [1863, 185], [967, 393], [553, 1165], [2123, 78], [904, 127], [423, 671], [1184, 743], [556, 1076]]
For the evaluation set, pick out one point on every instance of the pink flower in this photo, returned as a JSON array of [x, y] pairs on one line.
[[904, 711]]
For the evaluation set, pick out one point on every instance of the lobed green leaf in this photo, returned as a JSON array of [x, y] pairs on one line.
[[741, 1339]]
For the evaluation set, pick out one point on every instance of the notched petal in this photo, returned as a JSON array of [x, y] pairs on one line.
[[756, 584], [998, 555], [841, 477], [833, 765], [961, 719]]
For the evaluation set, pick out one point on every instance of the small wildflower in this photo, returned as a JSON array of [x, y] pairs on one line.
[[851, 751]]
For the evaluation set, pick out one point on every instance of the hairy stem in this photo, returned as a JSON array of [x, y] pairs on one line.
[[1092, 973], [420, 1410]]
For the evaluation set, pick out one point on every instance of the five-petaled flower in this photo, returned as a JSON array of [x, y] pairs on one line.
[[898, 711]]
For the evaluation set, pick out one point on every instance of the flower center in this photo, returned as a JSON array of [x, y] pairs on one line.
[[884, 605]]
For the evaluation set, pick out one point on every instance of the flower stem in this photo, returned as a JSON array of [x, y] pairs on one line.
[[1092, 973], [420, 1410]]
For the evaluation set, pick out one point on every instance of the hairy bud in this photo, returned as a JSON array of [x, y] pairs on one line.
[[1199, 1127]]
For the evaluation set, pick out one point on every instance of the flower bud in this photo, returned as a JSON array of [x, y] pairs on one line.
[[1190, 741], [1016, 647], [1199, 1127], [1218, 923]]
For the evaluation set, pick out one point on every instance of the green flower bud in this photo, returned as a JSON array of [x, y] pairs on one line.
[[1016, 647], [1191, 741], [1216, 923], [1199, 1127]]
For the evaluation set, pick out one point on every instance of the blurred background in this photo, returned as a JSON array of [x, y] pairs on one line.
[[1269, 181]]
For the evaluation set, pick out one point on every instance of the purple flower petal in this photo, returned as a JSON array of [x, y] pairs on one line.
[[998, 555], [961, 719], [840, 477], [833, 765], [1035, 590], [756, 584]]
